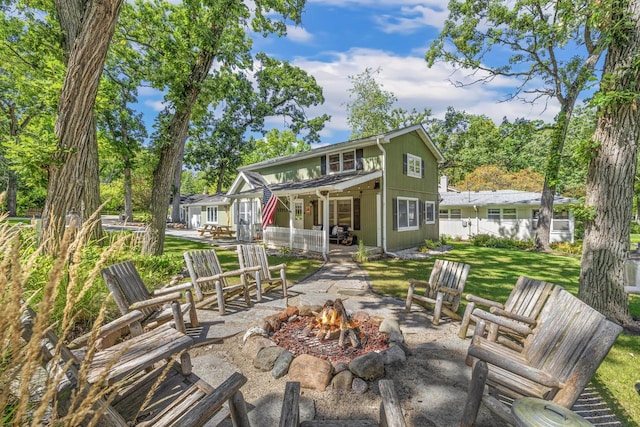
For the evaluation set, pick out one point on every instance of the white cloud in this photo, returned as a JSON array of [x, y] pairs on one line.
[[414, 18], [298, 34], [415, 86], [155, 105]]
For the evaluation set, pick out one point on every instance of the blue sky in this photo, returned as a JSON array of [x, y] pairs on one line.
[[341, 38]]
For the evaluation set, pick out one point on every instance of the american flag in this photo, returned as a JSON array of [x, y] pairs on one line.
[[269, 204]]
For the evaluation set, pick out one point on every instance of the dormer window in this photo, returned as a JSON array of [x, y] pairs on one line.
[[342, 162]]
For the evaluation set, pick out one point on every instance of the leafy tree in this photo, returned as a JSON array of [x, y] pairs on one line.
[[219, 140], [492, 177], [537, 34], [370, 112], [275, 144], [613, 166]]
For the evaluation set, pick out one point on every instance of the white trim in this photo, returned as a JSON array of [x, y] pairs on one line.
[[408, 227], [217, 213], [412, 158]]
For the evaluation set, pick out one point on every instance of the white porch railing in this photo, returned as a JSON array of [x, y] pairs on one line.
[[306, 240]]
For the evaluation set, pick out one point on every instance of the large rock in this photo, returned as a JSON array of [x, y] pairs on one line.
[[282, 364], [392, 355], [342, 381], [369, 366], [266, 358], [311, 372]]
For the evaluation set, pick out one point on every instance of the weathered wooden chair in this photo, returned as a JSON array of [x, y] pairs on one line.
[[250, 256], [130, 293], [557, 360], [390, 410], [444, 289], [151, 389], [210, 282], [523, 305]]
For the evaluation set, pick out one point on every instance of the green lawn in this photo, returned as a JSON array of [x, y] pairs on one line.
[[493, 274]]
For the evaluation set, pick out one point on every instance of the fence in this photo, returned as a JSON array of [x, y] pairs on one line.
[[306, 240]]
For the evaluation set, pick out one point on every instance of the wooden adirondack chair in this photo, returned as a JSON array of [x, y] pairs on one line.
[[523, 305], [251, 256], [154, 390], [210, 282], [130, 293], [390, 410], [557, 360], [444, 289]]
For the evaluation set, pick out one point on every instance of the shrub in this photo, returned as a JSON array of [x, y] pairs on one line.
[[489, 241], [362, 254], [568, 248]]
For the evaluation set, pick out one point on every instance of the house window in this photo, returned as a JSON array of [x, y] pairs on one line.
[[407, 214], [444, 213], [297, 210], [244, 214], [429, 212], [342, 162], [455, 214], [509, 213], [212, 214], [414, 166], [493, 214], [341, 211], [560, 221]]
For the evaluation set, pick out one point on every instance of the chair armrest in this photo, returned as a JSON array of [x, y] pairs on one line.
[[449, 291], [504, 313], [484, 301], [277, 267], [152, 302], [176, 288], [110, 327], [221, 275], [417, 282], [502, 321], [479, 349]]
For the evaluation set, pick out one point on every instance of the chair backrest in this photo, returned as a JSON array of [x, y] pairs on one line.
[[127, 286], [569, 342], [528, 296], [451, 275], [252, 256], [203, 263]]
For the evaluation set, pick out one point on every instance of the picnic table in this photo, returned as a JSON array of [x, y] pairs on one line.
[[216, 230]]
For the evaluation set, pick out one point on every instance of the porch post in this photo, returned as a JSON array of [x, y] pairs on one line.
[[291, 214], [324, 195]]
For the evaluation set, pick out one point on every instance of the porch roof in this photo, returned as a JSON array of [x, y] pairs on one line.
[[336, 182]]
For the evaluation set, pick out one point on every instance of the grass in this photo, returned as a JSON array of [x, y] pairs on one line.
[[493, 274]]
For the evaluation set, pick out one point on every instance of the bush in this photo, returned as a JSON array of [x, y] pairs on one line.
[[489, 241], [635, 228], [362, 254], [568, 248]]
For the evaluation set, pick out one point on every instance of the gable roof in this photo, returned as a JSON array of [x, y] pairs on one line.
[[497, 197], [383, 138], [204, 199]]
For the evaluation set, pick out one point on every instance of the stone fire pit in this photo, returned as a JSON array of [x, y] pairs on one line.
[[292, 342]]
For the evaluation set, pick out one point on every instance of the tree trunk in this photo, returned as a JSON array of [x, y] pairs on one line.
[[545, 215], [172, 146], [73, 175], [175, 193], [128, 204], [221, 171], [612, 171], [12, 193]]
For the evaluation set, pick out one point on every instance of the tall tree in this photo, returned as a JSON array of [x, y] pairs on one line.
[[371, 110], [275, 144], [535, 33], [87, 27], [219, 139], [182, 42], [613, 167]]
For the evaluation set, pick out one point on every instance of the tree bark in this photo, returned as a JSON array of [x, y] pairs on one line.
[[612, 172], [73, 174], [128, 204], [175, 193], [12, 193], [172, 146]]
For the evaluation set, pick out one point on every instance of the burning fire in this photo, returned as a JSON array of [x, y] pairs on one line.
[[333, 319]]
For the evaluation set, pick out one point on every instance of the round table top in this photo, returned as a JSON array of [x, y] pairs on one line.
[[532, 412]]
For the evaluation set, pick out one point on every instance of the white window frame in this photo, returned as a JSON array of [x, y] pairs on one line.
[[245, 212], [515, 214], [407, 201], [212, 214], [455, 213], [340, 162], [414, 166], [566, 222], [333, 211], [493, 211], [429, 212]]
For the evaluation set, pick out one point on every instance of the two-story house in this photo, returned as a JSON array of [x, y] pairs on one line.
[[381, 190]]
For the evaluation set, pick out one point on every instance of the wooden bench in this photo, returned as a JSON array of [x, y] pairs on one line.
[[390, 410], [557, 360]]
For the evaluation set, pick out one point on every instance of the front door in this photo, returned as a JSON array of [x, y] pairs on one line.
[[298, 214]]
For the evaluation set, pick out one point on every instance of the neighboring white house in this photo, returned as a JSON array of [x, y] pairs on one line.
[[199, 209], [504, 213]]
